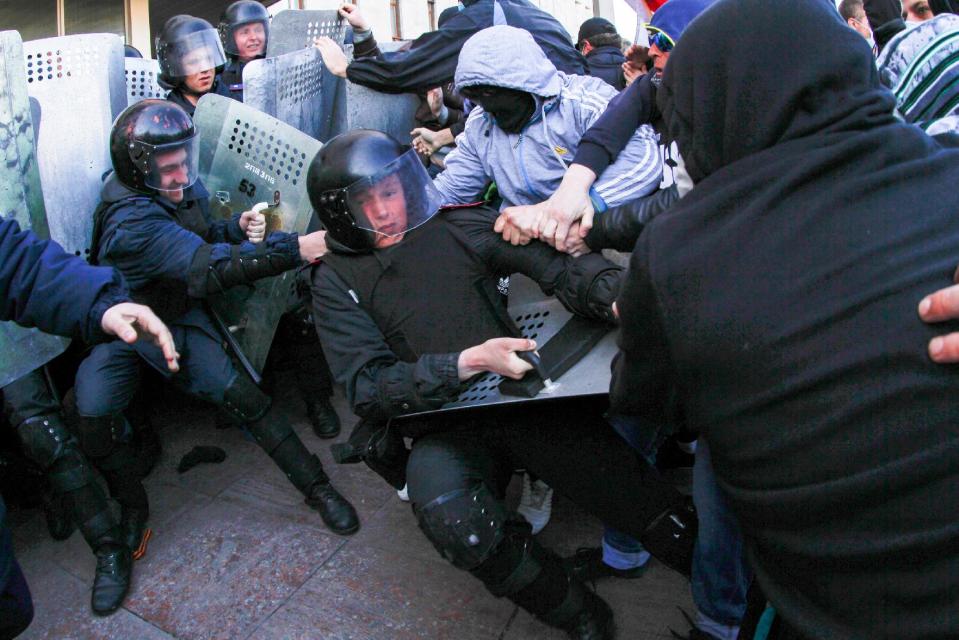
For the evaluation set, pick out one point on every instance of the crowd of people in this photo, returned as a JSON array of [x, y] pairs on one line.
[[778, 174]]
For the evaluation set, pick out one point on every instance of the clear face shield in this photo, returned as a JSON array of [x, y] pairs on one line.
[[168, 167], [397, 199], [193, 53]]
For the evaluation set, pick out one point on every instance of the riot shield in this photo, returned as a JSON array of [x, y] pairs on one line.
[[294, 30], [292, 88], [79, 84], [542, 321], [247, 157], [359, 107], [21, 350], [141, 76]]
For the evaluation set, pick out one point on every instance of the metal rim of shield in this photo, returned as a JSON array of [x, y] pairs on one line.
[[21, 350]]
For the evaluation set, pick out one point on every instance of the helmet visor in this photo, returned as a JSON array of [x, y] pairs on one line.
[[193, 53], [397, 199], [168, 167]]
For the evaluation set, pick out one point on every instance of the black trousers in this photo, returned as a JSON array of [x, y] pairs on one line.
[[566, 442]]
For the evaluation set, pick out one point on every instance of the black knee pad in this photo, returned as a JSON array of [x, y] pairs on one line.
[[245, 401], [465, 526], [44, 439], [99, 434]]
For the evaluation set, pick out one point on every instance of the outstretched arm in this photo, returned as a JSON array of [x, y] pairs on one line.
[[586, 285]]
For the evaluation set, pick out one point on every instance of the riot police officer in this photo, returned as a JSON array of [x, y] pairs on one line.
[[190, 57], [407, 309], [153, 225], [244, 31], [42, 286]]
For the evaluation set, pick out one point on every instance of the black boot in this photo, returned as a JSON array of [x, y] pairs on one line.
[[592, 620], [323, 417], [112, 580], [672, 536], [272, 431], [337, 513]]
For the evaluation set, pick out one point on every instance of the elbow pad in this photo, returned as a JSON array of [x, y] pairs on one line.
[[209, 277]]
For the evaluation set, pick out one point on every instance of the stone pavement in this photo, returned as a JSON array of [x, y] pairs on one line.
[[236, 554]]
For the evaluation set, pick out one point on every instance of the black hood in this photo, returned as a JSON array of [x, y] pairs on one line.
[[758, 86]]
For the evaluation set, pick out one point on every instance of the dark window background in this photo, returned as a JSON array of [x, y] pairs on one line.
[[94, 16], [34, 20]]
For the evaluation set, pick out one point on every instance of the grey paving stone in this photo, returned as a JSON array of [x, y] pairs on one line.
[[370, 593], [223, 568], [62, 608]]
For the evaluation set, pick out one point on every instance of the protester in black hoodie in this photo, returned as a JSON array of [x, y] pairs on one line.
[[777, 303]]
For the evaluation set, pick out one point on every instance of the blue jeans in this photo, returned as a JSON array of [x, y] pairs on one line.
[[720, 577]]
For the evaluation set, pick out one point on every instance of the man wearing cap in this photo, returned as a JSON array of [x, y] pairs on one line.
[[603, 48]]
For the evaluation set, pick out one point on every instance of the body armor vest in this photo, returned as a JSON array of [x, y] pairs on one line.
[[430, 293]]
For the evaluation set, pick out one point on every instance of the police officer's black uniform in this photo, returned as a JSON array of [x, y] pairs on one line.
[[393, 323]]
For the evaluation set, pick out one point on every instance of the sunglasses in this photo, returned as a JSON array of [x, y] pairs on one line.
[[659, 38]]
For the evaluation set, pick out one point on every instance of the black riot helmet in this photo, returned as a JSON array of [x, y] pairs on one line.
[[369, 190], [146, 144], [238, 14], [186, 46]]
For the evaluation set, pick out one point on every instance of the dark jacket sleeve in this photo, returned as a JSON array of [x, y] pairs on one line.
[[429, 62], [643, 382], [619, 228], [147, 244], [586, 285], [631, 108], [43, 286], [378, 384]]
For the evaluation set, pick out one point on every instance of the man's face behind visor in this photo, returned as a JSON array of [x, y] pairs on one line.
[[384, 205]]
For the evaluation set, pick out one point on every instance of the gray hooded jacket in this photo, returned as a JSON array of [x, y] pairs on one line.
[[529, 166]]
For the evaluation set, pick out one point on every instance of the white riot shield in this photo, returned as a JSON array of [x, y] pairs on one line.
[[248, 157], [294, 30], [293, 88], [358, 107], [79, 84], [141, 77], [21, 350], [542, 321]]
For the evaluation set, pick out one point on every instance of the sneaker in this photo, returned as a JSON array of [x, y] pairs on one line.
[[403, 494], [587, 565], [536, 503]]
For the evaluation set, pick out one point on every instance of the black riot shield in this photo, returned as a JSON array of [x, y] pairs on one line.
[[576, 357], [21, 350], [79, 84], [141, 78], [248, 157]]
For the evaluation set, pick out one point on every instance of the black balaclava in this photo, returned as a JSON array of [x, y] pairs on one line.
[[511, 108]]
